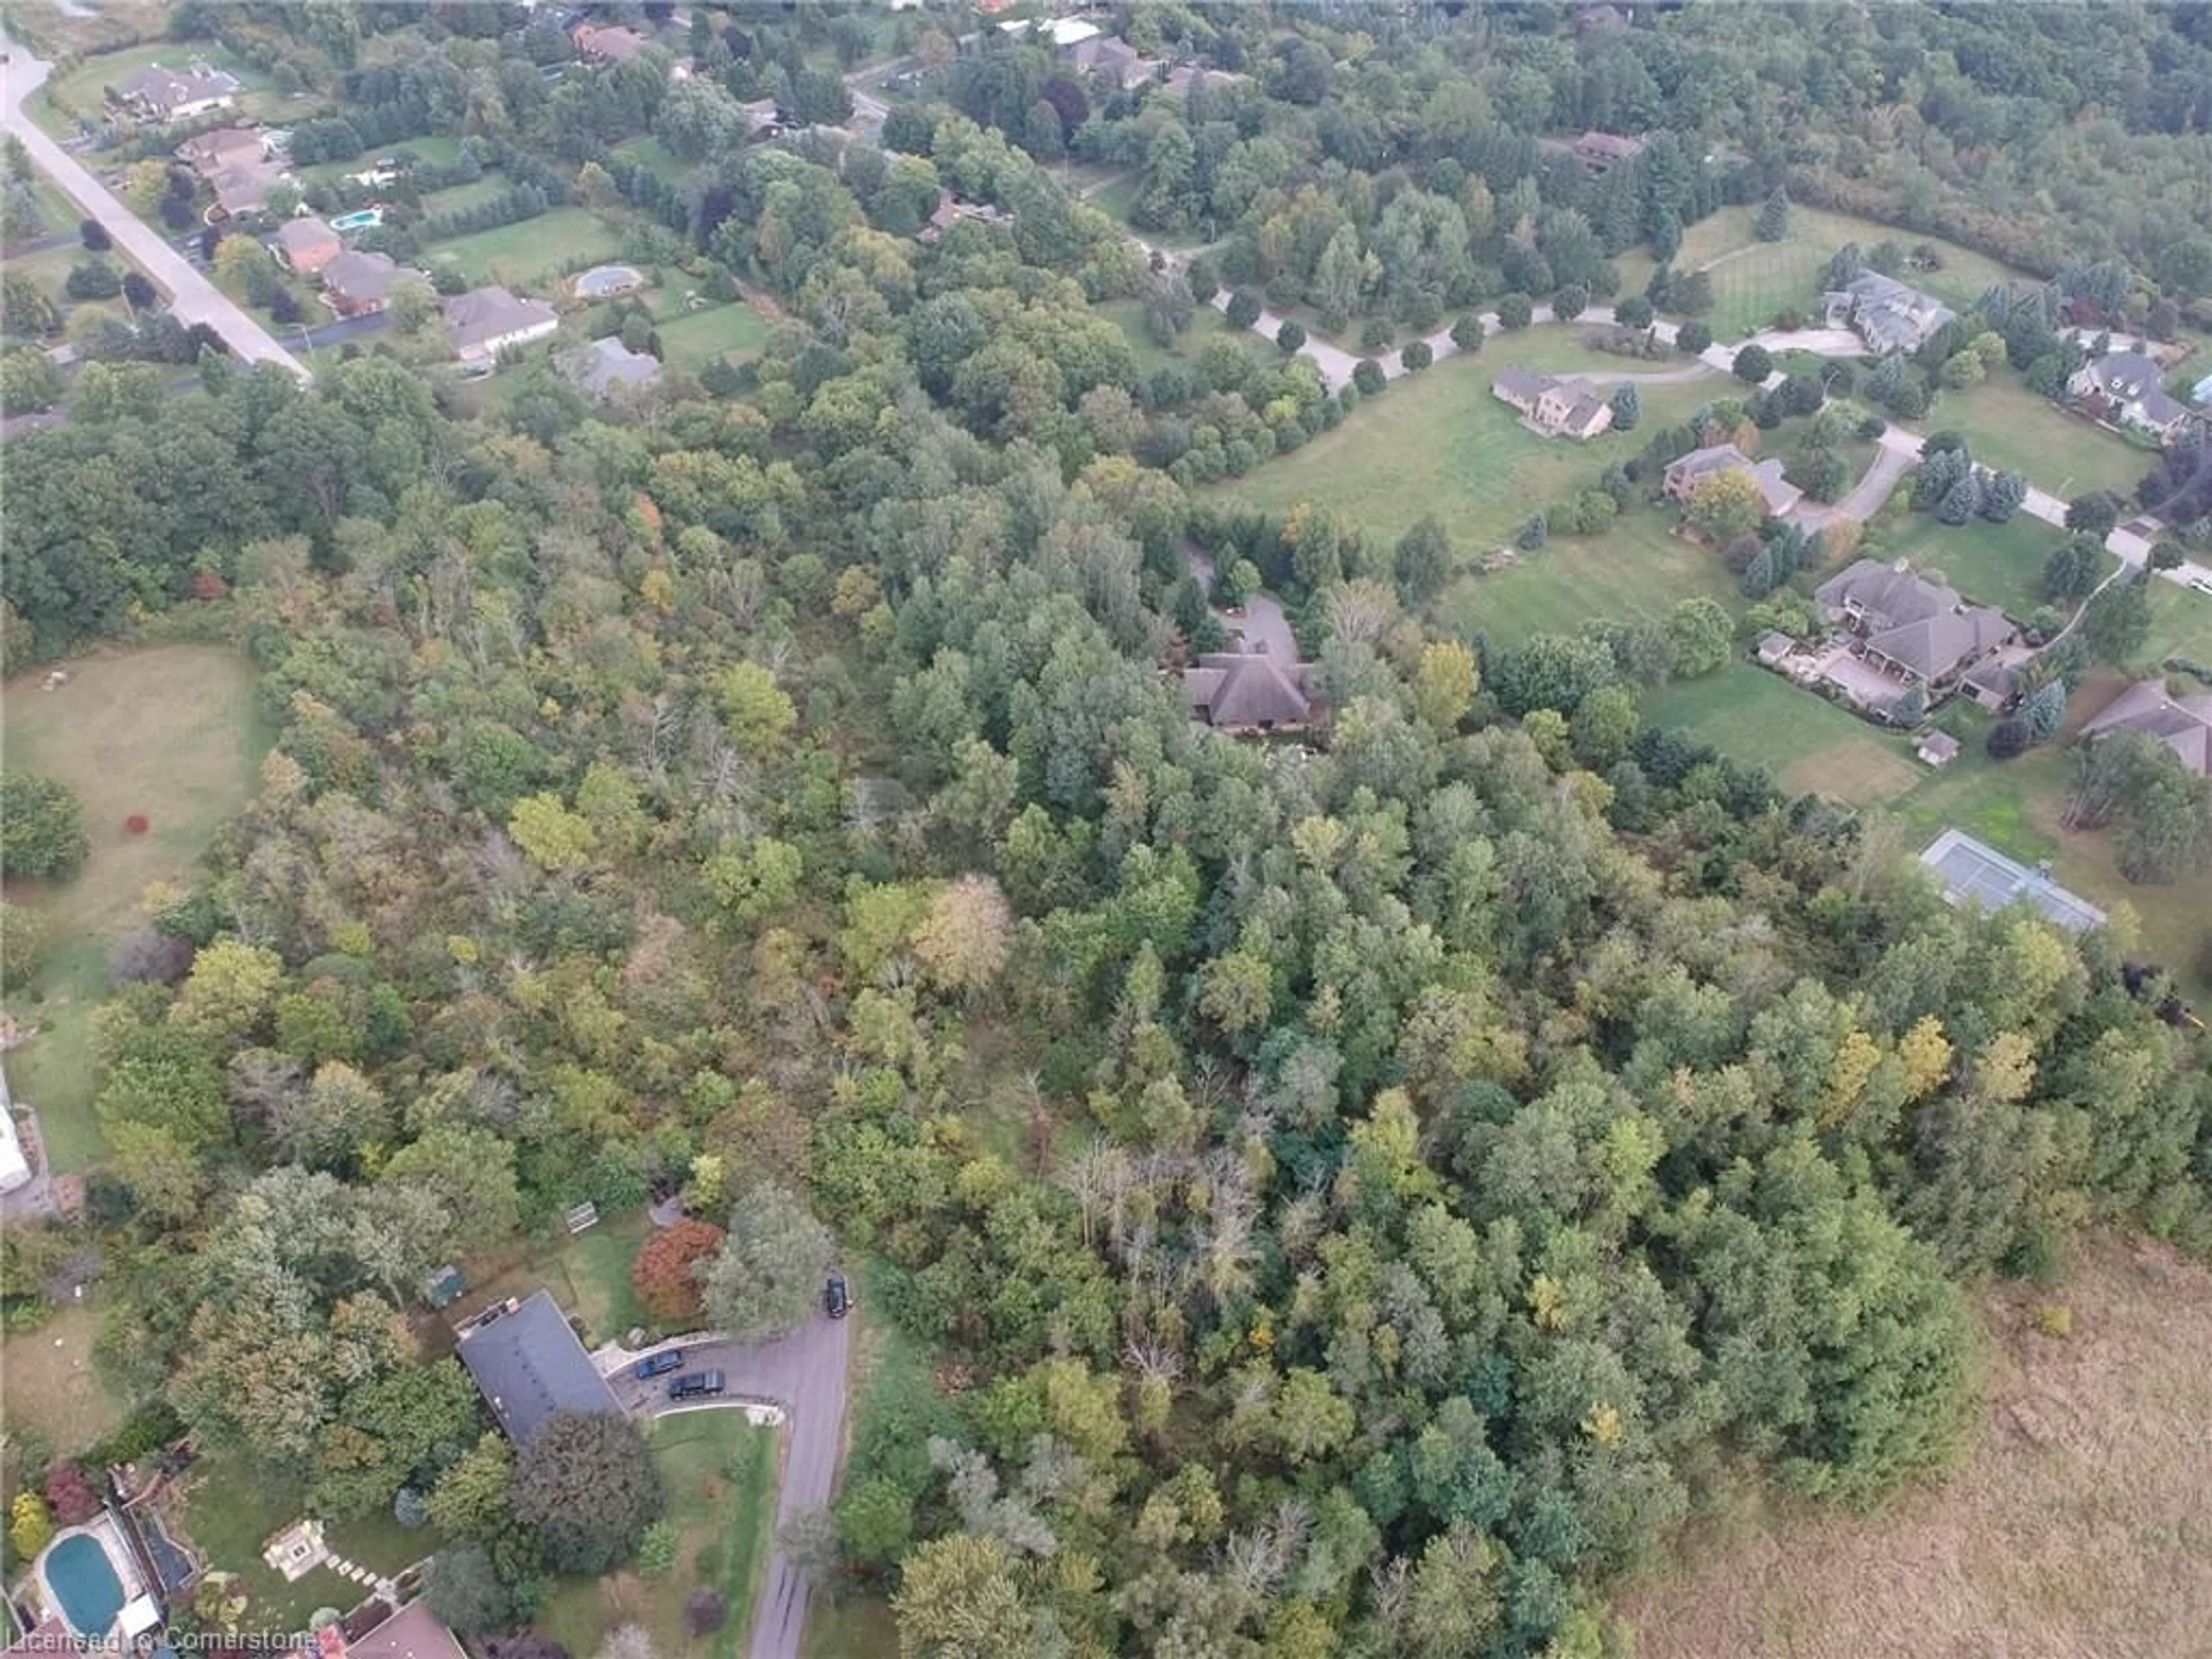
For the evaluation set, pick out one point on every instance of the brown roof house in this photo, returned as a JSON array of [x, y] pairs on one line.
[[1918, 631], [485, 321], [223, 147], [358, 285], [1686, 472], [2184, 724], [1600, 151], [413, 1632], [307, 244], [155, 94], [610, 44], [1247, 691], [1557, 409], [2124, 387]]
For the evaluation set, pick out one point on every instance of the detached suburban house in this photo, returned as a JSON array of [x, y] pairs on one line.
[[606, 368], [1557, 409], [2124, 388], [528, 1363], [485, 321], [1686, 472], [1889, 316], [2184, 724], [612, 45], [308, 244], [155, 94], [1249, 691], [1601, 152], [1917, 631], [357, 284]]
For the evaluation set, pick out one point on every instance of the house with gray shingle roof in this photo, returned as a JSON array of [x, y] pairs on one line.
[[155, 94], [529, 1363], [606, 368], [2184, 724], [1917, 629], [1890, 316], [485, 321], [2125, 388], [1685, 473], [1249, 691]]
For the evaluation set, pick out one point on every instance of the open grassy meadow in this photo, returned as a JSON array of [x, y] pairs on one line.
[[694, 339], [50, 1384], [2076, 1526], [1753, 280], [1808, 743], [2180, 624], [720, 1472], [1206, 323], [653, 155], [1998, 564], [172, 733], [1638, 567], [1564, 349], [54, 27], [1440, 442], [2010, 429], [527, 254]]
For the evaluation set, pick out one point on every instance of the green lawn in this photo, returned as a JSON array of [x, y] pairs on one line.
[[233, 1506], [1206, 323], [2180, 623], [1752, 284], [2010, 429], [1998, 564], [78, 91], [1562, 350], [524, 254], [695, 338], [1807, 743], [1440, 442], [1637, 568], [653, 155], [455, 197], [722, 1477], [1815, 235], [173, 733], [588, 1276], [50, 1384]]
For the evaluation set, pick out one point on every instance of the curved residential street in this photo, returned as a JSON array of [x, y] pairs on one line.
[[192, 297], [804, 1374]]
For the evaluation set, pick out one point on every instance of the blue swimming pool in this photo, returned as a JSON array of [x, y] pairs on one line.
[[81, 1578]]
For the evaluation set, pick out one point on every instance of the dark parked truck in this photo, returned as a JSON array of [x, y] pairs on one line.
[[696, 1384]]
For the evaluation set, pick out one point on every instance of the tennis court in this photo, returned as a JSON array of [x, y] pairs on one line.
[[1972, 871]]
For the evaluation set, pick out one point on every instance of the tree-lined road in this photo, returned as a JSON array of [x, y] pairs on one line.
[[192, 298]]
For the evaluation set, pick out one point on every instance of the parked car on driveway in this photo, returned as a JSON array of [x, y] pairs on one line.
[[837, 1297], [657, 1364], [694, 1384]]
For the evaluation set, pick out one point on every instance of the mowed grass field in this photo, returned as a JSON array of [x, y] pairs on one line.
[[1998, 564], [1565, 350], [721, 1472], [1809, 744], [1438, 442], [1785, 274], [2012, 429], [527, 254], [172, 733], [2180, 624], [695, 338], [2076, 1525], [1638, 567], [50, 1384]]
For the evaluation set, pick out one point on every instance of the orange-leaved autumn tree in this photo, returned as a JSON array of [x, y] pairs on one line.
[[669, 1267]]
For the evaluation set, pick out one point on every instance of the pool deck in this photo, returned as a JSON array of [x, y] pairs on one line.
[[128, 1578]]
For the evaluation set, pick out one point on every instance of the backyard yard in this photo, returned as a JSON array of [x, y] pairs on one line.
[[588, 1275], [1438, 442], [1753, 280], [527, 254], [721, 1472], [694, 339], [2180, 624], [1808, 743], [172, 733], [2010, 429], [50, 1384]]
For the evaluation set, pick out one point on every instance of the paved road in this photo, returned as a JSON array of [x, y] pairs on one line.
[[192, 297], [805, 1374]]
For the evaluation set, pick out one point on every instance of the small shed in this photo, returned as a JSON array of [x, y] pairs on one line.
[[1773, 649], [443, 1288], [1939, 749]]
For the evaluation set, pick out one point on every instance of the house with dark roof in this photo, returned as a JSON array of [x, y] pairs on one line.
[[1919, 631], [1685, 474], [484, 322], [2184, 724], [529, 1363], [359, 284], [2124, 388], [613, 44], [1104, 54], [223, 147], [1557, 409], [155, 94], [413, 1632], [1888, 315], [1601, 152], [606, 368], [1249, 691]]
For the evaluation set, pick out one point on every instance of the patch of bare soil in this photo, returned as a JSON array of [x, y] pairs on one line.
[[2080, 1526]]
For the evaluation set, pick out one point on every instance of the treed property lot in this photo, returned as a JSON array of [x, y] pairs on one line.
[[2076, 1526], [173, 733]]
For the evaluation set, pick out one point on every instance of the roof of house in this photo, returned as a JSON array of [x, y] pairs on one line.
[[1248, 689], [2184, 724], [243, 186], [1936, 646], [2129, 377], [1060, 30], [1612, 145], [1888, 594], [413, 1632], [1714, 458], [166, 89], [50, 1636], [359, 275], [221, 146], [1777, 491], [484, 314], [602, 366], [299, 235], [614, 42], [529, 1364], [1891, 314], [1521, 385]]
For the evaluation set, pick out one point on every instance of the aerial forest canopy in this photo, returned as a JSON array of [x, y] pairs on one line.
[[1451, 1147]]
